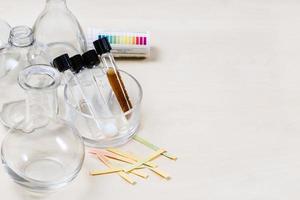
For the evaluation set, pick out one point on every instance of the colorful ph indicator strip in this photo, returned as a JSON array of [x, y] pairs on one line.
[[126, 39], [124, 44]]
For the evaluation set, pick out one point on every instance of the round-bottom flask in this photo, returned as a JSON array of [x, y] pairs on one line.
[[42, 152]]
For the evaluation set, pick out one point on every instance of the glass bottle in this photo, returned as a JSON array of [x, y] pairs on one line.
[[20, 52], [42, 152], [59, 29], [4, 33]]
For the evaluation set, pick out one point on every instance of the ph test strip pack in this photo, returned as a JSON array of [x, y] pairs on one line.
[[124, 44]]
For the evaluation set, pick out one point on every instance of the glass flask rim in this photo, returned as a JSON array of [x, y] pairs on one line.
[[135, 106], [53, 73], [27, 35], [49, 184]]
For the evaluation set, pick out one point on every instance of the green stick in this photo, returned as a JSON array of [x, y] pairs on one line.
[[153, 147]]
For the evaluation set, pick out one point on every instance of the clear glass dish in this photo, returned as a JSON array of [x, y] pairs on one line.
[[105, 131]]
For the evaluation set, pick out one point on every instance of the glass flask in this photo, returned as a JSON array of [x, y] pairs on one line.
[[59, 29], [42, 152], [19, 52], [4, 33]]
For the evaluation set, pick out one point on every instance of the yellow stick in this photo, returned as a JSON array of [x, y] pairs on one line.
[[112, 155], [130, 156], [135, 172], [111, 170], [160, 173], [151, 157], [102, 172], [140, 174], [121, 173], [151, 166], [152, 146]]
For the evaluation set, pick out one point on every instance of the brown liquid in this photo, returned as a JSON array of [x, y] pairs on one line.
[[118, 87]]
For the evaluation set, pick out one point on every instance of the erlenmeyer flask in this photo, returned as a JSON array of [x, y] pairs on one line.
[[59, 29], [41, 152]]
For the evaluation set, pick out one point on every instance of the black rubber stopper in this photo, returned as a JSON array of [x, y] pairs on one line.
[[102, 45], [77, 63], [90, 58], [62, 62]]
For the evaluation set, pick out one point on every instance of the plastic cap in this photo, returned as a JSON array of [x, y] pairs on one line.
[[91, 58], [62, 62], [102, 45], [77, 63]]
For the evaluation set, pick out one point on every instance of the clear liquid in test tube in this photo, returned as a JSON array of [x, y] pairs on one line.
[[84, 92]]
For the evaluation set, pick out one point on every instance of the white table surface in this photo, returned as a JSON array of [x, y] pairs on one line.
[[221, 91]]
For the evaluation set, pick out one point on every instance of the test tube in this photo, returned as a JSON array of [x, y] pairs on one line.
[[70, 71], [91, 61], [103, 48], [73, 68]]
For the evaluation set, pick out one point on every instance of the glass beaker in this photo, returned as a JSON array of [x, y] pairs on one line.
[[126, 124], [59, 29], [42, 152]]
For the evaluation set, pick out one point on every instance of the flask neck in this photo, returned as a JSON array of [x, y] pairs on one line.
[[40, 83], [21, 36], [56, 4]]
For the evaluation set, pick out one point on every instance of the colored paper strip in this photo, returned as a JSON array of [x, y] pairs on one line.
[[151, 157], [141, 40], [110, 155], [160, 173], [130, 156], [153, 147], [103, 172], [121, 173]]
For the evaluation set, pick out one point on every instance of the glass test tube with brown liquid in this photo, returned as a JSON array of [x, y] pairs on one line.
[[103, 48]]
